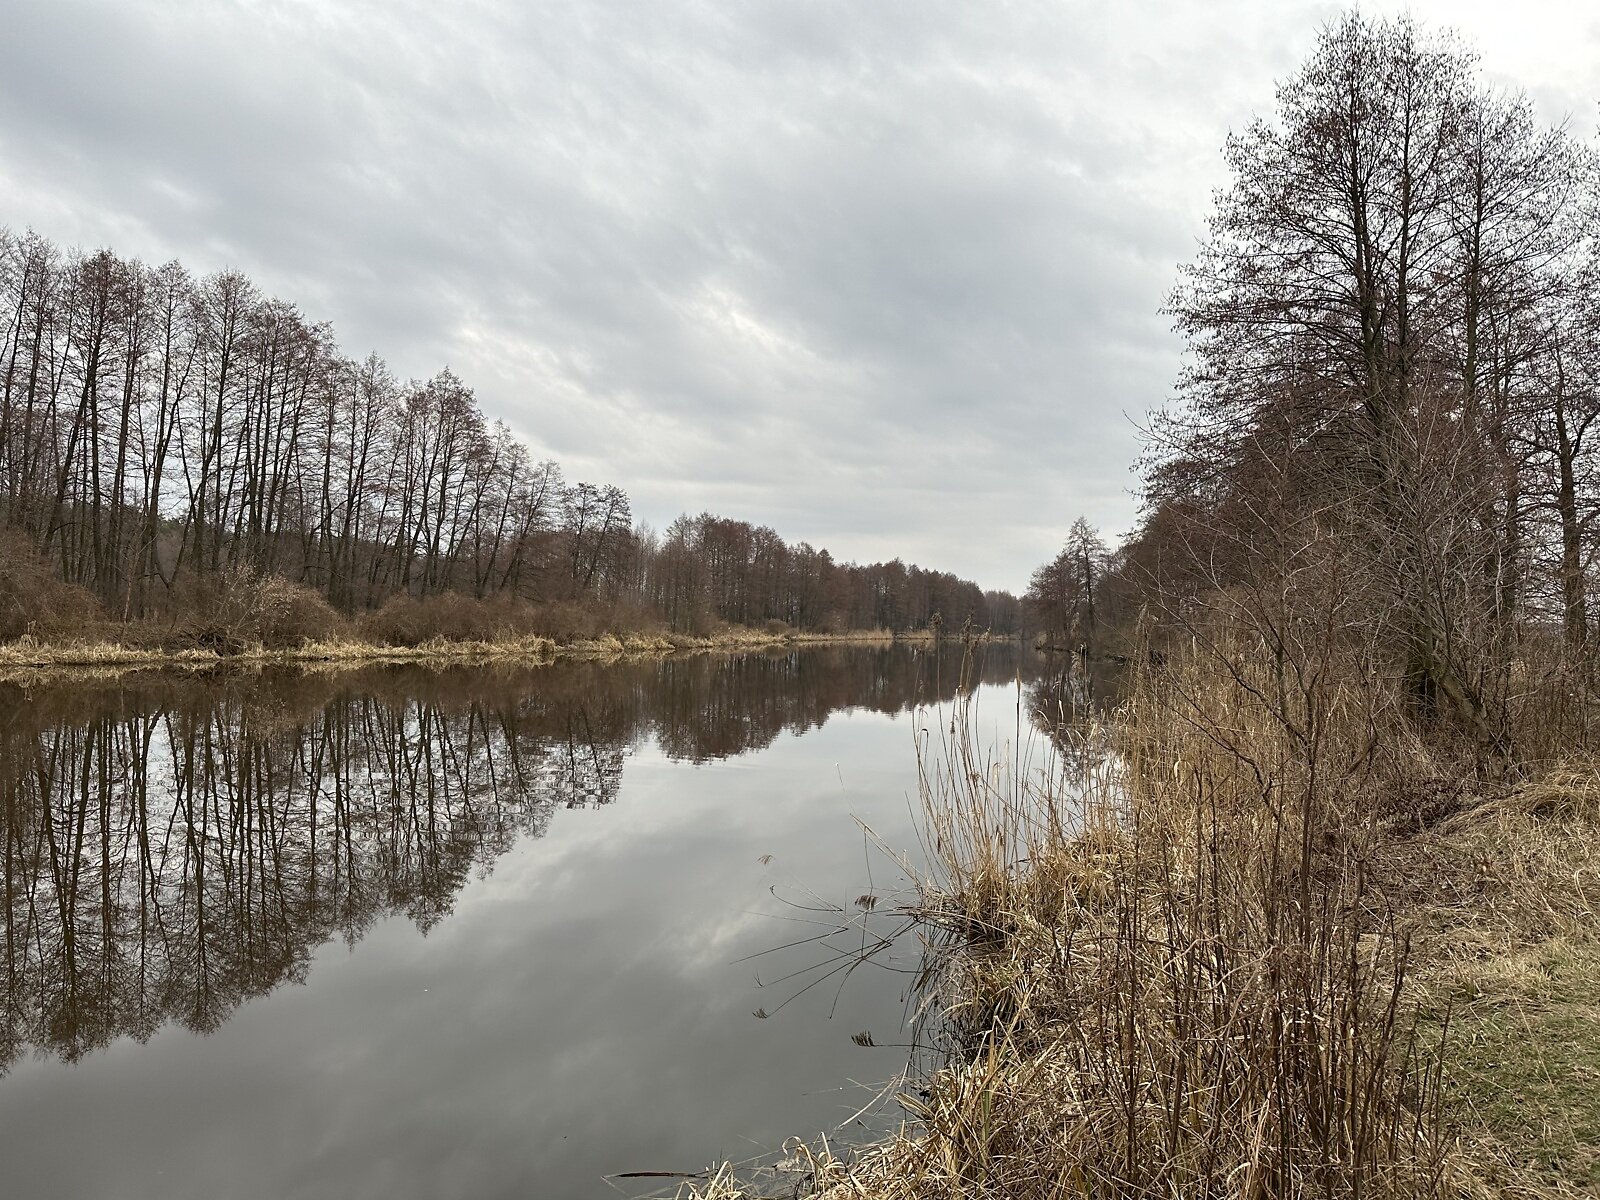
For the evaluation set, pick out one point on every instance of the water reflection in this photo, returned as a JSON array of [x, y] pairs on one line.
[[172, 849], [1067, 701]]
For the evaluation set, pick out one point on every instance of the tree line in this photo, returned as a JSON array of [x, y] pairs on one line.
[[160, 431], [1384, 443]]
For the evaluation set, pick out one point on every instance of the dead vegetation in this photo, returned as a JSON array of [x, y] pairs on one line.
[[1507, 897], [33, 599], [1200, 953], [92, 655]]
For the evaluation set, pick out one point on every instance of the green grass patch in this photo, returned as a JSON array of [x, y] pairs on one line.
[[1522, 1069]]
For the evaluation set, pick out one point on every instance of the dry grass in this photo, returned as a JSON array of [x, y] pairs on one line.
[[1508, 891], [30, 659], [26, 659]]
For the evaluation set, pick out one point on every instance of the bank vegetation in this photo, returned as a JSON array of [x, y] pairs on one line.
[[1310, 908]]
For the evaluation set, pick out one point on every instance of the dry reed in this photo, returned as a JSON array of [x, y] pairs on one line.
[[27, 658]]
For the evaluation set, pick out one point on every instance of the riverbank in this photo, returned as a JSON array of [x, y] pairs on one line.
[[32, 660], [1205, 953]]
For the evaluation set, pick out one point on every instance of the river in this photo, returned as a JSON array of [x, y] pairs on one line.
[[402, 933]]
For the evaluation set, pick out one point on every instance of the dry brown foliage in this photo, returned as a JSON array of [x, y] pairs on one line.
[[34, 602], [241, 608]]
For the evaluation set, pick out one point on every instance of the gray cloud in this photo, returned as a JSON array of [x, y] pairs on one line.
[[884, 275]]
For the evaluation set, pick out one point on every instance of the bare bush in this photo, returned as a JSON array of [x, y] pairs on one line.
[[454, 617], [239, 609], [34, 602]]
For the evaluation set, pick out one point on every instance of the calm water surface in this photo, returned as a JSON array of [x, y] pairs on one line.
[[407, 934]]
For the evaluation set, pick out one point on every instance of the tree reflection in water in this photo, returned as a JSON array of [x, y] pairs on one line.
[[1067, 699], [172, 848]]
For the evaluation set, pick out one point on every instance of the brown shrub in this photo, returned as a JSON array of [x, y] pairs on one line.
[[240, 608], [35, 602], [568, 621], [454, 617], [291, 614], [575, 620], [450, 617]]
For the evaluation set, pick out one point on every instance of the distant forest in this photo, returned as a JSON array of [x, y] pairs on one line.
[[160, 433]]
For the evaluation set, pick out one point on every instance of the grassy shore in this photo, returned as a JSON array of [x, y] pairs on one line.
[[30, 659], [1226, 945], [1506, 897]]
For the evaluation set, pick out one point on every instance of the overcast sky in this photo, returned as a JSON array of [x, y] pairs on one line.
[[884, 275]]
